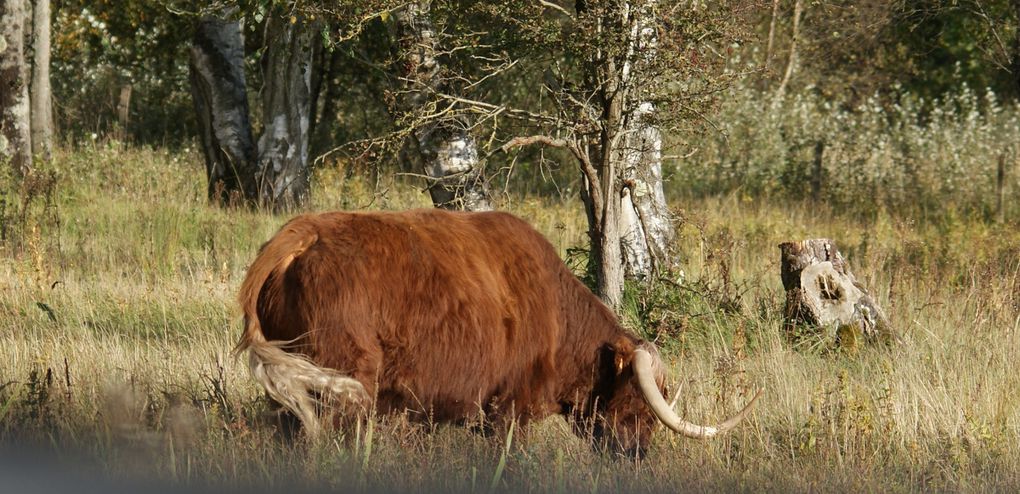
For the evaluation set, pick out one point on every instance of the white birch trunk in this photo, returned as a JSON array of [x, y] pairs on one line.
[[15, 125], [448, 151], [41, 93], [648, 238], [286, 108], [647, 230], [221, 104]]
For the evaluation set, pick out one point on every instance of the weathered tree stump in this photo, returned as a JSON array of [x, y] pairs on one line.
[[821, 291]]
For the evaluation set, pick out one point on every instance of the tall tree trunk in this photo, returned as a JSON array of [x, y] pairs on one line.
[[320, 61], [604, 220], [41, 93], [15, 125], [448, 152], [603, 159], [647, 230], [791, 62], [608, 254], [221, 103], [287, 110], [606, 236], [628, 218]]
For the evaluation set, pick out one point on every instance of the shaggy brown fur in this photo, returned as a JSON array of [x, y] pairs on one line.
[[441, 313]]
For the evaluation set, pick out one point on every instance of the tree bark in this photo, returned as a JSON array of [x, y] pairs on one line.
[[608, 256], [41, 90], [15, 124], [221, 103], [606, 233], [448, 152], [287, 110], [323, 95], [647, 230], [821, 291], [601, 156]]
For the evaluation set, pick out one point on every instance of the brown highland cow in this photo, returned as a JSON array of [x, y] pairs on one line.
[[450, 315]]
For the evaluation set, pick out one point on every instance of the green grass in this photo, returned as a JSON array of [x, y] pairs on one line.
[[117, 316]]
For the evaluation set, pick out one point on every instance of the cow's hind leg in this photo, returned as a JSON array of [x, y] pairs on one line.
[[286, 423]]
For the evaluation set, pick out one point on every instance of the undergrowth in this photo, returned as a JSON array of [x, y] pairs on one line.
[[117, 316]]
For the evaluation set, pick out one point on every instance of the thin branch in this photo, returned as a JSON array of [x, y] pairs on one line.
[[430, 178], [529, 140], [680, 156], [1003, 51], [792, 62], [555, 7], [772, 33], [493, 73], [488, 107]]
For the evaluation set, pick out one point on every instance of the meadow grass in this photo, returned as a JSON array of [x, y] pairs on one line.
[[117, 315]]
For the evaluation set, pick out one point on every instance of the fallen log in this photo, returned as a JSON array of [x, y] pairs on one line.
[[822, 292]]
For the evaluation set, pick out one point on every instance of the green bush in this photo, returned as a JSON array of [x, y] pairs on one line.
[[915, 156]]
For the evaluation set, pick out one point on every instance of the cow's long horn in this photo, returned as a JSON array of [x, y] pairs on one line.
[[666, 415]]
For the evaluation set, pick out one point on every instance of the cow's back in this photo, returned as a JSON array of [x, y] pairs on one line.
[[437, 311]]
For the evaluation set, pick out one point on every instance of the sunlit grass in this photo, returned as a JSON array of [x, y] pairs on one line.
[[117, 316]]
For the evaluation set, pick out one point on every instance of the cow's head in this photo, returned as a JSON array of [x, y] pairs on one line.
[[628, 401]]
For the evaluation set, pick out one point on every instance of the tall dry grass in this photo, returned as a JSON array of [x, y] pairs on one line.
[[117, 315]]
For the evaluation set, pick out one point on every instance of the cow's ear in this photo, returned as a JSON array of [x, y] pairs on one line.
[[623, 349]]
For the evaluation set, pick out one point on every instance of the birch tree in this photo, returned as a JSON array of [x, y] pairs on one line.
[[15, 124], [615, 75], [219, 93], [447, 150], [40, 93], [275, 173], [287, 109], [647, 229]]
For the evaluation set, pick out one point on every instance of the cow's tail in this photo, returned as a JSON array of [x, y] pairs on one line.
[[291, 379]]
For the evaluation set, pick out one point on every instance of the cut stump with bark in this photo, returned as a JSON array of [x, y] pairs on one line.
[[821, 291]]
